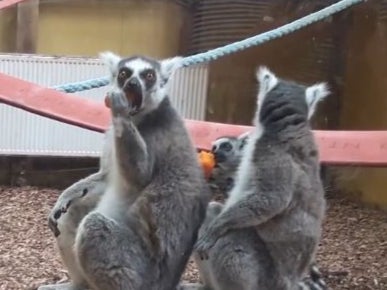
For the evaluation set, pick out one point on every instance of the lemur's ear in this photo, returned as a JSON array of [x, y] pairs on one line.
[[313, 95], [266, 79], [111, 60], [242, 139], [170, 65]]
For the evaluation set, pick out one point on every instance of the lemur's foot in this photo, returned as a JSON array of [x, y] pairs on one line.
[[60, 208]]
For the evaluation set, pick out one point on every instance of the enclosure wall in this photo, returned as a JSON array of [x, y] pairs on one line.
[[8, 29], [364, 102], [73, 27], [87, 27], [308, 55]]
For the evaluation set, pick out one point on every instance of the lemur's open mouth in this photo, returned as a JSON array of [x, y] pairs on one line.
[[135, 100]]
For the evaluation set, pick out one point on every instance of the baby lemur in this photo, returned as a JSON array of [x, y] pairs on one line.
[[227, 152], [141, 233], [266, 234]]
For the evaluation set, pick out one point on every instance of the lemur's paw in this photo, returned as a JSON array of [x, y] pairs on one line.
[[60, 208]]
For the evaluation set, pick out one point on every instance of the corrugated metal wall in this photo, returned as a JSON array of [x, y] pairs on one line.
[[382, 9], [219, 22], [23, 133]]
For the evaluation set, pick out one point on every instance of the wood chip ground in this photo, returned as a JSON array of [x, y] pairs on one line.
[[352, 255]]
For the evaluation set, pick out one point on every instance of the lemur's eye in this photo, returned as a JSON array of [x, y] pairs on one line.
[[226, 146], [124, 74]]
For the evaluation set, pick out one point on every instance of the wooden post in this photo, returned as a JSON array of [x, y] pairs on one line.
[[27, 26]]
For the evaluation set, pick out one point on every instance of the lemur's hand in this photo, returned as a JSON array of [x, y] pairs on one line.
[[118, 104]]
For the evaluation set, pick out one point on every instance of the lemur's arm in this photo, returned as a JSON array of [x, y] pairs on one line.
[[133, 159], [255, 206]]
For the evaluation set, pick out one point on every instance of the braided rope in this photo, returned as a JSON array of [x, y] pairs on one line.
[[216, 53]]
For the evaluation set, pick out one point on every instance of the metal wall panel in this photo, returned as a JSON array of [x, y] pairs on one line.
[[219, 22], [23, 133]]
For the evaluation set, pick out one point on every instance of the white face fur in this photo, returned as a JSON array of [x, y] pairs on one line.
[[230, 146], [142, 79]]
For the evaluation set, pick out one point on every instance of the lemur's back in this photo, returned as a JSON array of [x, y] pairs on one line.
[[295, 233]]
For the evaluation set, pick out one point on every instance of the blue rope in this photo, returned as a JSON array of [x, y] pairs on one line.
[[216, 53]]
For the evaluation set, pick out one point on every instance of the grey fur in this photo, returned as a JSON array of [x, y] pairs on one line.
[[159, 193], [226, 170], [228, 151], [142, 232], [79, 198], [266, 235], [72, 206]]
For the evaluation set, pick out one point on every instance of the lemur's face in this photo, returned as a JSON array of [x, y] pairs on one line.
[[141, 79], [228, 148], [227, 152], [224, 148]]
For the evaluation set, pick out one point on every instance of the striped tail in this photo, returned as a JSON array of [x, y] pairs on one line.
[[314, 281]]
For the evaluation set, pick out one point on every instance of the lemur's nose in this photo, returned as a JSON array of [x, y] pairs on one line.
[[133, 83], [219, 157]]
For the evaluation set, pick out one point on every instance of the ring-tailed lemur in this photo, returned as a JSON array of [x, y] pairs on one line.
[[228, 151], [73, 204], [142, 232], [266, 234]]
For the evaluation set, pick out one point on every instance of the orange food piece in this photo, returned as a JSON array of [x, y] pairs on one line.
[[207, 161]]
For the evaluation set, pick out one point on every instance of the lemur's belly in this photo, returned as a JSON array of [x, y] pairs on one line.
[[112, 204]]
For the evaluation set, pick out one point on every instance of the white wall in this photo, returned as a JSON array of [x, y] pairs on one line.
[[23, 133]]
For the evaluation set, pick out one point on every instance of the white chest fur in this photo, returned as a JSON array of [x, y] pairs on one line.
[[246, 168]]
